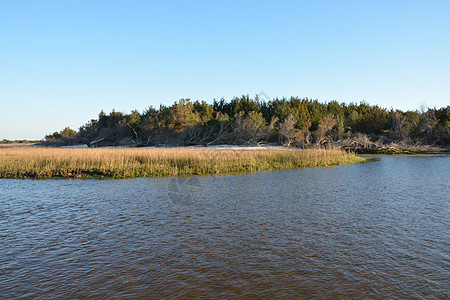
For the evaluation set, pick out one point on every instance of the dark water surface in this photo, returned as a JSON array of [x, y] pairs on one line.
[[373, 230]]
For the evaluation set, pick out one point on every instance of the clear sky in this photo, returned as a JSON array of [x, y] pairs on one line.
[[62, 62]]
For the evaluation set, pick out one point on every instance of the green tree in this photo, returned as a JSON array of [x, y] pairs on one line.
[[68, 133], [182, 115]]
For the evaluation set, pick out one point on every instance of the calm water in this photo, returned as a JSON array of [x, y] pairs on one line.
[[373, 230]]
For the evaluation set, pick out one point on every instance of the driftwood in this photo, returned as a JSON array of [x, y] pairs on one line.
[[92, 144]]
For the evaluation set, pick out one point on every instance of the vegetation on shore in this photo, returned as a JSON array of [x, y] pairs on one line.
[[37, 162], [302, 123], [5, 142]]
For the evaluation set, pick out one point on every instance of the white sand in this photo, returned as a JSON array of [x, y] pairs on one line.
[[236, 147]]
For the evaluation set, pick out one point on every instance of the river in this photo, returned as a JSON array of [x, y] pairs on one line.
[[373, 230]]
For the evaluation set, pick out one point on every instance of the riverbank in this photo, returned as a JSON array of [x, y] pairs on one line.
[[42, 162]]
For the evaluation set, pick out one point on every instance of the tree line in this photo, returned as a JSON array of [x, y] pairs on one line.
[[299, 122]]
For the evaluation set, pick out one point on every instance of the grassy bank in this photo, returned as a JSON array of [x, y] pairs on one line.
[[36, 162]]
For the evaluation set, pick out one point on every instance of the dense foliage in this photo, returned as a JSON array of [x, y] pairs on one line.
[[294, 121]]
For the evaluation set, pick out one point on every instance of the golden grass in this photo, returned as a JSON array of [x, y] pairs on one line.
[[39, 162]]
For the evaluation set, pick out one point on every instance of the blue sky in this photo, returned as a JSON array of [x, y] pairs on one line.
[[62, 62]]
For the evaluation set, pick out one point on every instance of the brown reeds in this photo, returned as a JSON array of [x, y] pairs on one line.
[[42, 162]]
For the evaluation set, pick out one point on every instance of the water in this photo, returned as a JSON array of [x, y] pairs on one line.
[[373, 230]]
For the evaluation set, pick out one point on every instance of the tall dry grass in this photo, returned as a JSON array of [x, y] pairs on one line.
[[39, 162]]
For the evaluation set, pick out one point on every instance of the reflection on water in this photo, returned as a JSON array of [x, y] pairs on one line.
[[377, 230]]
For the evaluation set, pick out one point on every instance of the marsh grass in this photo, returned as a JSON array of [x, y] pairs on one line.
[[42, 162]]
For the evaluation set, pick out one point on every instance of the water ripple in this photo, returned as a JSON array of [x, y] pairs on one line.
[[375, 230]]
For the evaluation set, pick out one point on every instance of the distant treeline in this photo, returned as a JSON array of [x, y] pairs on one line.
[[7, 142], [243, 120]]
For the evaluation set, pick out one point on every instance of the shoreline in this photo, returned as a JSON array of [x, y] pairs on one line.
[[40, 163]]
